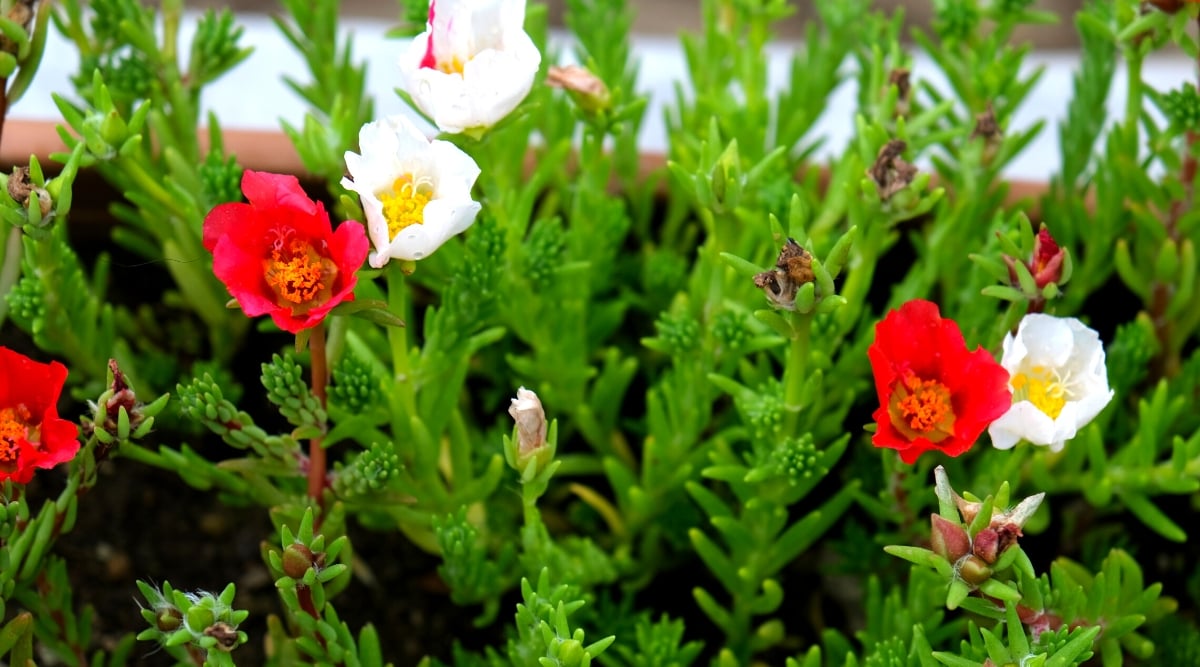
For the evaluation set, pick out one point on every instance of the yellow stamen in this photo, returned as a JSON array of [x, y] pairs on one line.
[[1042, 387], [299, 275], [404, 205], [922, 409], [453, 66]]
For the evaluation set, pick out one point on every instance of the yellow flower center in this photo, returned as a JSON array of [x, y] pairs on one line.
[[922, 409], [404, 204], [14, 427], [1042, 387], [452, 66], [299, 275]]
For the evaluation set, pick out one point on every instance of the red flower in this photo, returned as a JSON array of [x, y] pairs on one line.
[[933, 393], [31, 433], [279, 255]]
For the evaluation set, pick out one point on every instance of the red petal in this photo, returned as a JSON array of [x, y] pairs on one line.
[[267, 191]]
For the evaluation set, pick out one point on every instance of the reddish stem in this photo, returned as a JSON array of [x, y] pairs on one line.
[[320, 376]]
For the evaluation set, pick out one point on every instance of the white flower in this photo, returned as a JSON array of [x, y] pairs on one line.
[[472, 65], [1059, 382], [416, 193]]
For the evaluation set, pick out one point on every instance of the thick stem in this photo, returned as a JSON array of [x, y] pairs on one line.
[[320, 375], [3, 106]]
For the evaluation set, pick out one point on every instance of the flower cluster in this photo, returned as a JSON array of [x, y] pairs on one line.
[[32, 435], [279, 256], [934, 394]]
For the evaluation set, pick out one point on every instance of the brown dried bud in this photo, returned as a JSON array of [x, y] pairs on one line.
[[948, 539], [792, 269], [21, 14], [21, 187], [986, 126], [891, 172], [588, 91], [225, 634]]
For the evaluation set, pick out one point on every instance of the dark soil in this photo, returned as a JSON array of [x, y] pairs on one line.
[[143, 523]]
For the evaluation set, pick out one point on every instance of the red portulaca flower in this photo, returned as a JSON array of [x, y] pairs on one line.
[[279, 254], [31, 434], [934, 394]]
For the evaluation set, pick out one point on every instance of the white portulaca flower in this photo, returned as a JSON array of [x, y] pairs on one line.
[[416, 193], [473, 64], [1059, 382]]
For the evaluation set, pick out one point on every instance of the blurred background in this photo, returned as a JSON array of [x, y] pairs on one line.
[[668, 17]]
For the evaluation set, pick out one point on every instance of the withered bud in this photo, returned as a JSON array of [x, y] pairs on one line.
[[891, 172], [899, 77], [21, 187], [588, 91], [168, 619], [225, 634], [21, 14], [969, 509], [948, 539], [792, 269], [526, 410], [986, 126]]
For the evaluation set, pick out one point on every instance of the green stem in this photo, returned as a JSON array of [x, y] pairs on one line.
[[320, 378], [796, 370], [403, 397], [1133, 100], [10, 271]]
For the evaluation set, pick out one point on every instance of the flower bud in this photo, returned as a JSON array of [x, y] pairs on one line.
[[588, 91], [298, 559], [168, 619], [973, 570], [570, 652], [948, 539], [199, 617], [1045, 263], [526, 410], [987, 545]]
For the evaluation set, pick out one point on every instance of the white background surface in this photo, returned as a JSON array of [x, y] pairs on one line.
[[253, 95]]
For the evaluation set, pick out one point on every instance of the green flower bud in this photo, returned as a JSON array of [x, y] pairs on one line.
[[198, 618]]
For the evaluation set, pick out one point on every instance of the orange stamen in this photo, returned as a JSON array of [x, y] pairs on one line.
[[299, 275], [922, 409]]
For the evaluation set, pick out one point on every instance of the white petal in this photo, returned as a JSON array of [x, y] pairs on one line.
[[499, 63], [1023, 421]]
